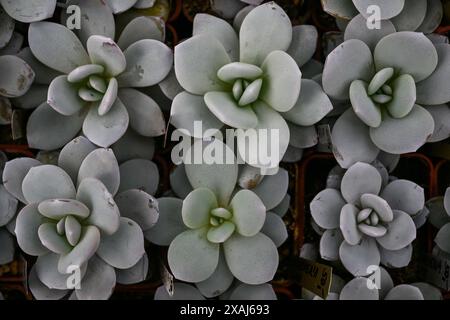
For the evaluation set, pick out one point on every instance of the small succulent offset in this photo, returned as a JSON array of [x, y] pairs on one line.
[[73, 224], [366, 222], [250, 81], [220, 232], [404, 15], [397, 94], [94, 89]]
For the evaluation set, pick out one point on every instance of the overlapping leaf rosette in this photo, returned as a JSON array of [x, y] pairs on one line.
[[248, 81], [367, 222], [81, 221], [8, 210], [402, 15], [220, 232], [397, 95], [94, 88]]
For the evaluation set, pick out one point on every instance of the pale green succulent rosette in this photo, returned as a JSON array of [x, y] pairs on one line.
[[220, 232], [404, 15], [398, 95], [82, 214], [367, 221], [94, 88], [247, 80]]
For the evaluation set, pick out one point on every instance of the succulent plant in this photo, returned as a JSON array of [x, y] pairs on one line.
[[71, 221], [228, 9], [218, 231], [94, 89], [250, 81], [26, 11], [366, 222], [239, 291], [404, 15], [440, 218], [385, 90], [119, 6]]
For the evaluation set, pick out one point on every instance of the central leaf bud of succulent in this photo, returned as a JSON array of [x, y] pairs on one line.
[[221, 226], [374, 215], [387, 95], [245, 80]]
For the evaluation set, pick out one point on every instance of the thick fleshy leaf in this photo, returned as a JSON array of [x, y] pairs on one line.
[[282, 81], [63, 97], [57, 209], [64, 53], [405, 196], [349, 225], [26, 11], [350, 61], [304, 43], [253, 292], [219, 282], [379, 205], [107, 129], [359, 179], [179, 182], [219, 178], [7, 28], [72, 155], [105, 52], [312, 105], [392, 50], [52, 240], [125, 247], [187, 109], [219, 29], [273, 188], [442, 238], [411, 16], [329, 244], [358, 289], [388, 8], [40, 291], [99, 281], [132, 145], [326, 208], [432, 90], [265, 29], [27, 225], [146, 117], [46, 269], [138, 206], [32, 98], [200, 78], [47, 182], [192, 257], [181, 291], [119, 6], [170, 222], [359, 258], [109, 97], [396, 259], [441, 117], [404, 96], [275, 228], [135, 274], [357, 29], [197, 207], [148, 62], [283, 207], [401, 232], [101, 164], [14, 45], [404, 292], [142, 27], [50, 130], [428, 291], [363, 105], [8, 206], [96, 19], [17, 76], [249, 213], [139, 174], [84, 250], [433, 17], [343, 9], [43, 73], [411, 132], [14, 173], [6, 247], [104, 211], [252, 260]]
